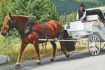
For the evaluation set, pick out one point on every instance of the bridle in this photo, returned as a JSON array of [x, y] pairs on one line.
[[24, 30], [11, 24]]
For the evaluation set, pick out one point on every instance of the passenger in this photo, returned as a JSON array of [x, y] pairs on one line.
[[81, 13]]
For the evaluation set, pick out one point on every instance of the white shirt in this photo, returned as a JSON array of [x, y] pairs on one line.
[[84, 15]]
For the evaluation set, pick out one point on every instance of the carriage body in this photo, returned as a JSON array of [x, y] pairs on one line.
[[79, 29], [92, 25], [89, 30], [92, 29]]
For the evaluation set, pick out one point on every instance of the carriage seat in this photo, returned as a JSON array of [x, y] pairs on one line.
[[91, 18]]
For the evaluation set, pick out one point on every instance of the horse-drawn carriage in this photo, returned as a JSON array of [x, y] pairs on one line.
[[93, 29]]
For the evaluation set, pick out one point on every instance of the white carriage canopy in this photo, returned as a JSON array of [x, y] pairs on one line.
[[96, 12]]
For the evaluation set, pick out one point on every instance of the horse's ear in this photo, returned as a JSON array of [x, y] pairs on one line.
[[9, 14]]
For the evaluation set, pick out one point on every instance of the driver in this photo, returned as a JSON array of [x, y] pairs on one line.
[[81, 13]]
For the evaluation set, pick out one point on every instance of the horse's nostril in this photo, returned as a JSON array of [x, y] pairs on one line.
[[2, 33]]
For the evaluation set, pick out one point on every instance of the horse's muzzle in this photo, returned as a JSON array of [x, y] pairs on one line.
[[3, 33]]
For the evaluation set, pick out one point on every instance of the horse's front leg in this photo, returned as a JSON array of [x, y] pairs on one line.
[[36, 45], [23, 46], [54, 50]]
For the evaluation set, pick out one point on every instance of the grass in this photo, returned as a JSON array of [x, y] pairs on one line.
[[10, 47]]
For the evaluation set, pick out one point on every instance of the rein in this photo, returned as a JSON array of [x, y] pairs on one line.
[[26, 29], [11, 24]]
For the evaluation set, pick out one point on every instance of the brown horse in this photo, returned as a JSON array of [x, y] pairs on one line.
[[30, 32]]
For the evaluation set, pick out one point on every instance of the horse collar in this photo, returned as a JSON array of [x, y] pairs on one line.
[[28, 27]]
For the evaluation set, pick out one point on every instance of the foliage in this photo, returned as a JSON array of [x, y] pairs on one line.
[[67, 6], [41, 9], [67, 18]]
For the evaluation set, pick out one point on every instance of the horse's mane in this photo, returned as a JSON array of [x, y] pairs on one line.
[[25, 17], [21, 16]]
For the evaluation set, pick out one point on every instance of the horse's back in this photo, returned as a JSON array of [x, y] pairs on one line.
[[54, 24], [53, 27]]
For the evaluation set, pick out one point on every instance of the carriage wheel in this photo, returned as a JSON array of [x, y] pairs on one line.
[[94, 45]]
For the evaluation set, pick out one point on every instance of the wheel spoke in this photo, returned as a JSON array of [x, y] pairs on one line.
[[94, 45], [93, 38]]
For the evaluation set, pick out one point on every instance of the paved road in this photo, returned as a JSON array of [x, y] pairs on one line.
[[77, 61]]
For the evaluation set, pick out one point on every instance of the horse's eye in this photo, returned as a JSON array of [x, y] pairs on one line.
[[5, 27], [9, 22]]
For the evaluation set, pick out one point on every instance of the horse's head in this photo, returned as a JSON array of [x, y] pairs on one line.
[[8, 25]]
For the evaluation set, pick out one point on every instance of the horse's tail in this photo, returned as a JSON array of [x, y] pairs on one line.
[[68, 45]]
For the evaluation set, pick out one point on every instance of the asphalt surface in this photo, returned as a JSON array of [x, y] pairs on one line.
[[76, 61]]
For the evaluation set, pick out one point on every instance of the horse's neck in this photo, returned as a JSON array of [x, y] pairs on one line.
[[20, 22]]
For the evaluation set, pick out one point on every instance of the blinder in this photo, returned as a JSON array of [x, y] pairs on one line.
[[11, 24]]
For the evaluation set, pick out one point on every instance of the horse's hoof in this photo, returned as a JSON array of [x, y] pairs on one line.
[[67, 55], [38, 63], [51, 60], [17, 66]]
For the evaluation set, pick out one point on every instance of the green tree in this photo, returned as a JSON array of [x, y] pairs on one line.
[[42, 9], [4, 8]]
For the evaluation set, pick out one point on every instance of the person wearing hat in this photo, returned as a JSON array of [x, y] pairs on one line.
[[81, 13]]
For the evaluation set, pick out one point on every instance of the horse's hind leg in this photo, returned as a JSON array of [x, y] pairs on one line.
[[23, 46], [54, 50], [63, 49]]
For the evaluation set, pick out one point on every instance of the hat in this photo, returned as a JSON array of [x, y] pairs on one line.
[[82, 5]]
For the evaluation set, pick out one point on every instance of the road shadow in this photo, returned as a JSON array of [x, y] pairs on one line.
[[80, 55]]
